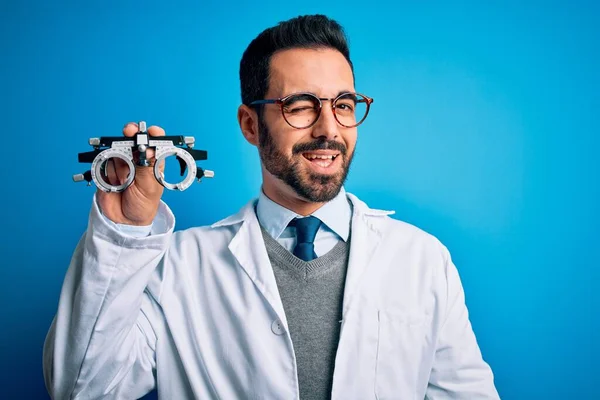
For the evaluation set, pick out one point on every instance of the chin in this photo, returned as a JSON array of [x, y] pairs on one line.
[[319, 188]]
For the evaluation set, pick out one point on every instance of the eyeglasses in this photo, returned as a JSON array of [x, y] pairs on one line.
[[302, 110]]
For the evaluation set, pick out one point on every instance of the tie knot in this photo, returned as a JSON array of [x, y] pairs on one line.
[[306, 228]]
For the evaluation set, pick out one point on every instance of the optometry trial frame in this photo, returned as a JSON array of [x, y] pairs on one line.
[[107, 148]]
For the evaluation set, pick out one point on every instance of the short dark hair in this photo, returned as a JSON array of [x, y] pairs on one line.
[[308, 31]]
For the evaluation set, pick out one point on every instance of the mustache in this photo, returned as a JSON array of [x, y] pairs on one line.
[[319, 145]]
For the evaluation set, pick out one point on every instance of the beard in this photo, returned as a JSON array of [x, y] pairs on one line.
[[316, 188]]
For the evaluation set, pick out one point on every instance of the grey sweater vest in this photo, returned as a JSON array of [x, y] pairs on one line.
[[312, 294]]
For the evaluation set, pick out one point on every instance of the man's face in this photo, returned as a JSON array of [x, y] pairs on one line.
[[311, 163]]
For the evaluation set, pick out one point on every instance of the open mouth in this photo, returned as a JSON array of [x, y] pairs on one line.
[[321, 159]]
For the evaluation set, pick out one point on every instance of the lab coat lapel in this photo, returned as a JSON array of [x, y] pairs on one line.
[[248, 247], [366, 235]]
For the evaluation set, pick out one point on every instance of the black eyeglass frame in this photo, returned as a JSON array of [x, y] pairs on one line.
[[282, 100]]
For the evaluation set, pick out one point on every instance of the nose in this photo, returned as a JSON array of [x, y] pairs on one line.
[[326, 126]]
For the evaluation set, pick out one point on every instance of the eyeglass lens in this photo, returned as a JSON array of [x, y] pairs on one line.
[[302, 110]]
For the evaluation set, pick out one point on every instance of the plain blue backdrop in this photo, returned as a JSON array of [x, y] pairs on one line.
[[484, 132]]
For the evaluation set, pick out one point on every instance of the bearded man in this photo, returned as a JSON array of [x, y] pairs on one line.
[[306, 293]]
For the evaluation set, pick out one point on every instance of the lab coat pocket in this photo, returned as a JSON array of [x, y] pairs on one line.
[[403, 342]]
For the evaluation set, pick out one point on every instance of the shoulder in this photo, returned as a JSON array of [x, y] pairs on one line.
[[395, 232], [219, 233]]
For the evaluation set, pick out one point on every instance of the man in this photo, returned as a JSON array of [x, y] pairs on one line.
[[305, 293]]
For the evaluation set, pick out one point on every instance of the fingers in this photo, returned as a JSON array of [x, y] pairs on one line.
[[156, 131], [153, 131], [115, 171], [109, 173], [131, 128], [122, 170]]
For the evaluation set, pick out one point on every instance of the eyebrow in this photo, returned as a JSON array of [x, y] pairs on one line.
[[316, 95], [344, 91], [339, 93]]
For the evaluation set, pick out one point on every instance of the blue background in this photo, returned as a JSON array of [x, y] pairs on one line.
[[484, 132]]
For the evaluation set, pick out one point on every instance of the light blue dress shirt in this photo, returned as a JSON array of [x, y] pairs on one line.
[[335, 216]]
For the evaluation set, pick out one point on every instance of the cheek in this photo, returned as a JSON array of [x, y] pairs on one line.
[[284, 142], [281, 139], [350, 141], [287, 139]]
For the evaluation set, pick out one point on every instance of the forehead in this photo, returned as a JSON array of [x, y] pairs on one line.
[[322, 71]]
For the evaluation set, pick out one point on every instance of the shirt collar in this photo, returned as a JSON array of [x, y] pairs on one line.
[[335, 214]]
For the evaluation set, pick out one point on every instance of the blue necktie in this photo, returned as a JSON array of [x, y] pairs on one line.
[[306, 230]]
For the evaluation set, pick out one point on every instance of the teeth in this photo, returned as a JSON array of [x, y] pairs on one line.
[[322, 157]]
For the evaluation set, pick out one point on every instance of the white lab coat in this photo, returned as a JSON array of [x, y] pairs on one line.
[[198, 313]]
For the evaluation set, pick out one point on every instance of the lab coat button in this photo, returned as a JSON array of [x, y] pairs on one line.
[[277, 327]]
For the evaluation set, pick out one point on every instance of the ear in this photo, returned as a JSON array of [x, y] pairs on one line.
[[248, 120]]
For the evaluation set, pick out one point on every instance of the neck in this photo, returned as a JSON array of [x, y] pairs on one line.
[[290, 200]]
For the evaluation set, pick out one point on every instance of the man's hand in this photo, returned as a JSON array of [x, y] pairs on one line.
[[138, 204]]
